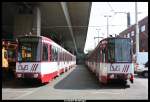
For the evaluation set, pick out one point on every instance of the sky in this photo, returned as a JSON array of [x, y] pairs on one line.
[[117, 22]]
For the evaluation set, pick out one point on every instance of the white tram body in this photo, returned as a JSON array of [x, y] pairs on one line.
[[44, 63], [111, 61]]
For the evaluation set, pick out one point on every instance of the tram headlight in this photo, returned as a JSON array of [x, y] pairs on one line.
[[3, 42], [129, 76], [19, 75], [35, 75], [111, 76]]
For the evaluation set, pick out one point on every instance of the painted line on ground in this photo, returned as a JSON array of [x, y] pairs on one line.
[[27, 93], [105, 93]]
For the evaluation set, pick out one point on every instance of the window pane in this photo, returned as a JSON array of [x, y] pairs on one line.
[[132, 33], [122, 50], [45, 52], [124, 36], [111, 50], [143, 28], [55, 55], [128, 35], [29, 50], [50, 53]]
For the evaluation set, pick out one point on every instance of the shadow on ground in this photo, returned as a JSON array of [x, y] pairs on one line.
[[81, 79], [139, 76], [14, 83]]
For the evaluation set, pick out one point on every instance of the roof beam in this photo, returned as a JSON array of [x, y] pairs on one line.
[[66, 13]]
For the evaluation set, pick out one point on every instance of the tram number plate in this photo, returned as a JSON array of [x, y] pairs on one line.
[[123, 68], [20, 67], [115, 68], [26, 67]]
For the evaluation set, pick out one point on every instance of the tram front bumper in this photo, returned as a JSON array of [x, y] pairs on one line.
[[119, 76], [28, 75]]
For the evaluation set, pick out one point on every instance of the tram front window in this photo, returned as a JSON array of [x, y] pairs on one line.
[[122, 50], [119, 50], [29, 51]]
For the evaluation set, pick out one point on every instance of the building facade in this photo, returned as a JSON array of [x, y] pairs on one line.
[[130, 32]]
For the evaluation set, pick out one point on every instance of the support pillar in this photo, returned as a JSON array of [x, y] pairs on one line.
[[36, 30]]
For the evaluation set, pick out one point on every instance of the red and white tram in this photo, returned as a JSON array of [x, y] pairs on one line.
[[41, 58], [112, 59]]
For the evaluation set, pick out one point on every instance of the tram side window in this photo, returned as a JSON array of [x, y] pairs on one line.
[[64, 56], [58, 56], [45, 52], [52, 50], [111, 51], [61, 55], [54, 53], [50, 53], [103, 55], [98, 54]]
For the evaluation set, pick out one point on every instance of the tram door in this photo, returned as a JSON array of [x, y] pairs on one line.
[[4, 58]]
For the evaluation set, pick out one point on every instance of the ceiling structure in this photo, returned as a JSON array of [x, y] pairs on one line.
[[67, 21]]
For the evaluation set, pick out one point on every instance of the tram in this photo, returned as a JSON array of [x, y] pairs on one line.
[[8, 57], [41, 58], [112, 60]]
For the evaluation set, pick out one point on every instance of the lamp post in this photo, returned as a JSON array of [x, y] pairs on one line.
[[98, 38], [132, 48], [137, 29], [107, 23], [98, 33]]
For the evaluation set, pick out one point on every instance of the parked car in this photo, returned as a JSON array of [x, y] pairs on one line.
[[141, 65], [143, 70]]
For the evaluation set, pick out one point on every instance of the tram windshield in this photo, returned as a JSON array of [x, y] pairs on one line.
[[119, 50], [29, 49]]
